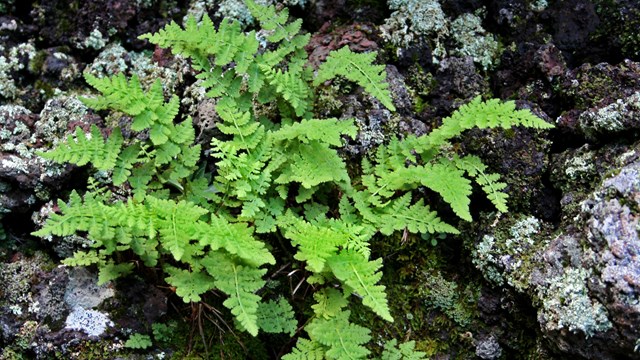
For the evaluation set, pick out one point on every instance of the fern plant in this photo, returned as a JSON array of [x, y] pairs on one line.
[[215, 232]]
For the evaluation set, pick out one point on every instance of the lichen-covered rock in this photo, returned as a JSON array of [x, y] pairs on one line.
[[584, 278], [472, 40], [49, 312], [623, 115], [12, 61]]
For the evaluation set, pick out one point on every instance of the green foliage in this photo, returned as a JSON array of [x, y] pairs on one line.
[[277, 173], [89, 148], [138, 341], [361, 276], [277, 317], [403, 352], [343, 339], [358, 68]]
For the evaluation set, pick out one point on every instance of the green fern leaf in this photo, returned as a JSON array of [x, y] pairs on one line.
[[329, 303], [329, 131], [359, 68], [117, 94], [399, 214], [174, 222], [315, 244], [236, 238], [111, 271], [404, 352], [189, 285], [449, 181], [277, 317], [362, 275], [312, 164], [490, 114], [343, 338], [83, 258], [126, 159], [239, 282], [490, 183], [306, 350], [227, 42], [138, 341], [88, 148]]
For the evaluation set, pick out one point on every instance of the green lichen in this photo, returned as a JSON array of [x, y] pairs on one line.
[[566, 304], [611, 118], [504, 256], [95, 40], [439, 293], [413, 18], [17, 279], [474, 41], [12, 63]]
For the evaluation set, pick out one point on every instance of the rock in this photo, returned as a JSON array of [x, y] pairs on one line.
[[584, 277]]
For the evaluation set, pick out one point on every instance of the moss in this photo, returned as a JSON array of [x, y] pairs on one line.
[[36, 63], [45, 88], [620, 23]]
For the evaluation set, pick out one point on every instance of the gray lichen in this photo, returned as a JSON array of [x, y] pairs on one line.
[[474, 41], [612, 118], [566, 304], [413, 18], [12, 63]]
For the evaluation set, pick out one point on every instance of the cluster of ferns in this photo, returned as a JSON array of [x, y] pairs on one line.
[[278, 175]]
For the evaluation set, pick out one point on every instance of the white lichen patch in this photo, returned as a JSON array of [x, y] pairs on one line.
[[474, 41], [95, 40], [414, 18], [611, 118], [10, 64], [566, 304], [580, 166], [501, 256], [92, 322]]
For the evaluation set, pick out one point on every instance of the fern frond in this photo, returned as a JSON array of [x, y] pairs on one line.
[[315, 244], [291, 86], [345, 340], [175, 223], [189, 285], [449, 181], [490, 183], [194, 41], [83, 258], [269, 18], [239, 282], [329, 302], [111, 271], [118, 93], [312, 164], [399, 214], [329, 131], [277, 317], [126, 159], [359, 68], [492, 113], [403, 352], [88, 148], [306, 350], [235, 238], [88, 214], [362, 276]]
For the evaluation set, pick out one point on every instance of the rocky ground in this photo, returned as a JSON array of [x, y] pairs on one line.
[[556, 277]]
